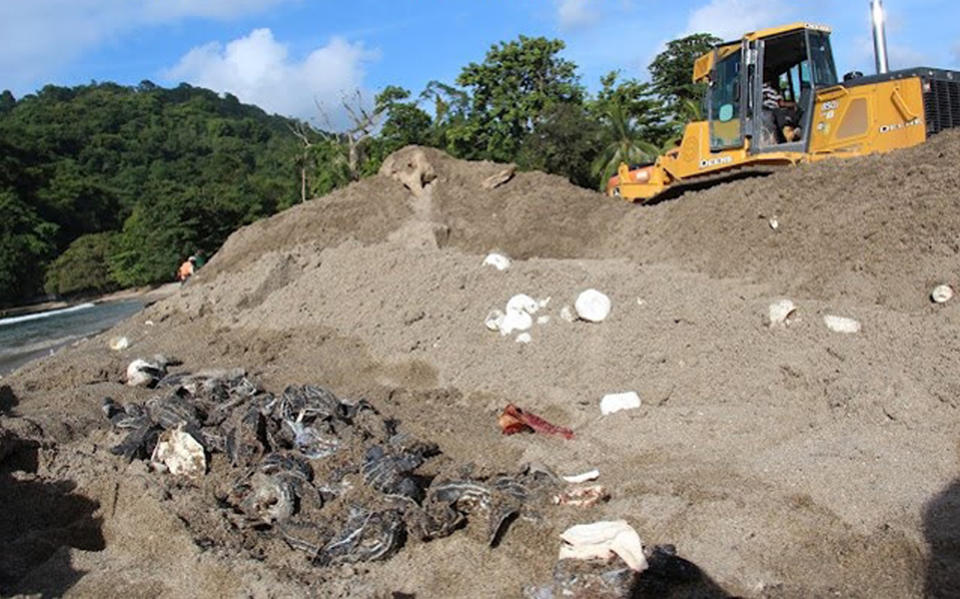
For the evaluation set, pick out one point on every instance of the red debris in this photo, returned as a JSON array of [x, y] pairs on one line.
[[515, 420]]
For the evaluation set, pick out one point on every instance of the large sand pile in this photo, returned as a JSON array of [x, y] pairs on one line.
[[792, 462]]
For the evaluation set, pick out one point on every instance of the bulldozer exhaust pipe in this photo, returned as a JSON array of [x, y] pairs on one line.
[[879, 36]]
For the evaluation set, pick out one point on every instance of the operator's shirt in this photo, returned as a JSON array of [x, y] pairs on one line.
[[771, 97]]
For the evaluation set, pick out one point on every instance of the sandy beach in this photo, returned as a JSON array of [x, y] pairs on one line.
[[783, 461]]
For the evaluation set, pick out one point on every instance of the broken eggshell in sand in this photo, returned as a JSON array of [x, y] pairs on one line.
[[780, 313], [841, 324], [522, 302], [141, 373], [614, 402], [941, 294], [601, 539], [494, 320], [179, 453], [119, 343], [518, 316], [515, 321], [497, 260], [524, 338], [592, 306], [582, 478], [584, 496]]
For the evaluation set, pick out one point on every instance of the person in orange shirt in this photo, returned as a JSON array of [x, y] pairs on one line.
[[186, 270]]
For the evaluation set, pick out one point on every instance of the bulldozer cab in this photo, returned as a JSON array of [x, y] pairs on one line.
[[762, 88]]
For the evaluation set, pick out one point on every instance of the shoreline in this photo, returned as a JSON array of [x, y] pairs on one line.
[[149, 294]]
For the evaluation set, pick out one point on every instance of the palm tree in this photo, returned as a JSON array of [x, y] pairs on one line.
[[624, 143], [689, 111]]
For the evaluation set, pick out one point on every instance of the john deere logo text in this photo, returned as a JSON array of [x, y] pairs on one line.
[[707, 163], [889, 128]]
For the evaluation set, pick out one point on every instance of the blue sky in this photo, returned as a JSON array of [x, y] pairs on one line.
[[289, 55]]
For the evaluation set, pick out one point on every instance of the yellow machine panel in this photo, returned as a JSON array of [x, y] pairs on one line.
[[879, 117]]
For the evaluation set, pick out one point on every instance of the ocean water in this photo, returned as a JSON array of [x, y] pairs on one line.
[[30, 336]]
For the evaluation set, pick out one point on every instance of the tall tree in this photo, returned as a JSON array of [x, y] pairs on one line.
[[7, 101], [405, 122], [510, 92], [564, 142], [26, 242], [671, 72], [633, 121]]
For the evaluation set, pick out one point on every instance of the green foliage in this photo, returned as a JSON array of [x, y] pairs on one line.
[[83, 267], [333, 169], [405, 124], [633, 125], [26, 241], [7, 101], [671, 72], [564, 142], [166, 168], [510, 93]]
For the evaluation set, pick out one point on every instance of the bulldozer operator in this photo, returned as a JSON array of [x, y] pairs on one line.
[[779, 116]]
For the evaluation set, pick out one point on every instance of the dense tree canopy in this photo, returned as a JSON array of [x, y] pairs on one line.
[[511, 91], [104, 186], [170, 170], [671, 73]]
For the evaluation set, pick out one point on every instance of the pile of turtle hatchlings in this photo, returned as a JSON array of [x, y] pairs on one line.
[[290, 455]]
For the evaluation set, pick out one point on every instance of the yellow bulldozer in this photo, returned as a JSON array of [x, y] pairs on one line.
[[774, 98]]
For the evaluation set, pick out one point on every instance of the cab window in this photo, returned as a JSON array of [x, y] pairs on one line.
[[725, 129], [824, 71]]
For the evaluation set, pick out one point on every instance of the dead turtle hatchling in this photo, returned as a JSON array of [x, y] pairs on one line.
[[366, 536], [271, 493]]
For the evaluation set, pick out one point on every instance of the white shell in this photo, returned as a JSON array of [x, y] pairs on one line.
[[567, 314], [600, 539], [524, 338], [614, 402], [774, 223], [137, 375], [780, 312], [180, 453], [494, 320], [582, 478], [515, 321], [941, 294], [592, 305], [119, 343], [498, 261], [840, 324], [543, 319], [522, 303]]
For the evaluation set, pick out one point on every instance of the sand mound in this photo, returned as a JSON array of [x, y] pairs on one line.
[[879, 229], [786, 462]]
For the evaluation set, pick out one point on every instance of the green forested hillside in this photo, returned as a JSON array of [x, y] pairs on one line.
[[104, 186], [114, 186]]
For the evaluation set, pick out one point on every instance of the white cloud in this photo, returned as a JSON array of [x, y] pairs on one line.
[[899, 56], [904, 57], [259, 70], [577, 13], [38, 37], [730, 19]]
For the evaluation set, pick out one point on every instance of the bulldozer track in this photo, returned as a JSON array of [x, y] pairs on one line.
[[680, 188]]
